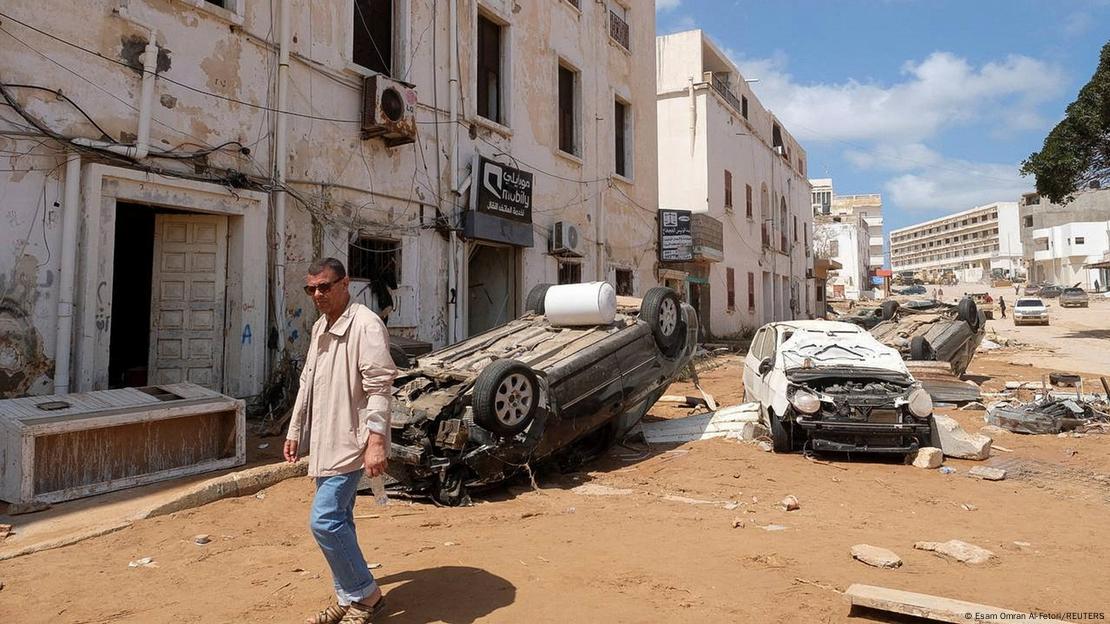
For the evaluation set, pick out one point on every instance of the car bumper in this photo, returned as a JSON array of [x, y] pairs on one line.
[[865, 437]]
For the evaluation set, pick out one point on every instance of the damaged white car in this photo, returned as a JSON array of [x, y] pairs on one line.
[[830, 386]]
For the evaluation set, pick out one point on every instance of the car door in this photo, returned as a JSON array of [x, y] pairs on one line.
[[751, 366]]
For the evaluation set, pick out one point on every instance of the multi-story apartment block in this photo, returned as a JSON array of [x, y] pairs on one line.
[[844, 241], [967, 246], [172, 167], [1067, 244], [869, 209], [725, 157]]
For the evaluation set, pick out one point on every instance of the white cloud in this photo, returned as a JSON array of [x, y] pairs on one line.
[[950, 185], [939, 92], [666, 5]]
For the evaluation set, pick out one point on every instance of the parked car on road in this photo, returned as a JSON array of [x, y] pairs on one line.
[[477, 412], [1051, 291], [1074, 297], [916, 289], [831, 386], [1030, 311], [1032, 289]]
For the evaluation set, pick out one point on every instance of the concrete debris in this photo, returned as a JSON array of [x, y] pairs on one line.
[[5, 531], [734, 422], [968, 507], [929, 457], [959, 550], [773, 527], [974, 405], [731, 506], [790, 503], [202, 539], [765, 446], [955, 442], [989, 345], [1053, 414], [737, 523], [596, 489], [875, 556], [988, 474], [145, 562]]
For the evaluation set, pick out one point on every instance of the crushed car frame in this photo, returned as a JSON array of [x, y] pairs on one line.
[[482, 410]]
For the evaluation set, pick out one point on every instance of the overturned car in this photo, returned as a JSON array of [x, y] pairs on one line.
[[830, 386], [560, 384], [933, 331]]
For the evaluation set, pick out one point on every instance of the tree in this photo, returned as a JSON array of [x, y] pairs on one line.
[[1076, 153]]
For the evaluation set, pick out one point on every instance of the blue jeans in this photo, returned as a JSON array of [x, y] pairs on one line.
[[333, 525]]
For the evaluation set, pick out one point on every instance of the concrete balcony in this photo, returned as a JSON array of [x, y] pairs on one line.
[[708, 235], [875, 241]]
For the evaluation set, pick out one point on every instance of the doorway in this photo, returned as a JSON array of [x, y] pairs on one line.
[[491, 287], [700, 301], [132, 265]]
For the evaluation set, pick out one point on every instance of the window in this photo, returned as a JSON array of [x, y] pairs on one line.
[[489, 95], [570, 273], [820, 293], [568, 85], [1027, 221], [751, 291], [618, 26], [624, 282], [730, 281], [621, 135], [748, 201], [795, 229], [220, 3], [744, 106], [1079, 240], [834, 248], [728, 189], [372, 39], [374, 259], [805, 237], [782, 225]]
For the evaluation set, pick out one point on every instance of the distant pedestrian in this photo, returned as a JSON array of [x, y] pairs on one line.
[[1096, 286], [1016, 290], [1002, 306], [940, 293]]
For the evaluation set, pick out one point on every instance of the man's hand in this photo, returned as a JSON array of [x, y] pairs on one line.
[[291, 450], [375, 456]]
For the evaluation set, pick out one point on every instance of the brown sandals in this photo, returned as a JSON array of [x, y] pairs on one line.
[[356, 614], [332, 615]]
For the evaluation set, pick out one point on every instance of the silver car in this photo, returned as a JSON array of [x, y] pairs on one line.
[[1074, 297], [1030, 311]]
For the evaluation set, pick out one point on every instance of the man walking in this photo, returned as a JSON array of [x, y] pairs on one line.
[[1002, 305], [343, 407]]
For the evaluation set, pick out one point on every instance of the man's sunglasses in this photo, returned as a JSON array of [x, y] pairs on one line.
[[321, 288]]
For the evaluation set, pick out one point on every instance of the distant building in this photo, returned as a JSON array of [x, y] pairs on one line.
[[730, 161], [844, 241], [822, 195], [1067, 244], [968, 246], [859, 211], [869, 208]]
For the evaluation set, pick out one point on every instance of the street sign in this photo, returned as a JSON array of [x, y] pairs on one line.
[[676, 243]]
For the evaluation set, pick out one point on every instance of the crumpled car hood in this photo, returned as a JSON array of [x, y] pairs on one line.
[[842, 351]]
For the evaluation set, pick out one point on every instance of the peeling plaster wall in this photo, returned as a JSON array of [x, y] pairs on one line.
[[226, 67]]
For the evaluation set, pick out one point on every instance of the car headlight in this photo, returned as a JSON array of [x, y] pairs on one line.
[[920, 403], [805, 402]]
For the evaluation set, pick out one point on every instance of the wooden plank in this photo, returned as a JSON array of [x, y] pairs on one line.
[[930, 607], [121, 416]]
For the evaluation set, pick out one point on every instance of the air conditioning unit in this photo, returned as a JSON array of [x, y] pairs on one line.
[[564, 239], [388, 110]]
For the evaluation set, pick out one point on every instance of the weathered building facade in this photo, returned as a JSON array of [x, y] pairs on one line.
[[172, 166], [1067, 243], [723, 155], [967, 245]]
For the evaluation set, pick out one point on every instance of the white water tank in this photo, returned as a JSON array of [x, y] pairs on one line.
[[594, 303]]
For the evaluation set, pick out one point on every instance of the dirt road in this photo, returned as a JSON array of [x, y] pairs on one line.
[[650, 540]]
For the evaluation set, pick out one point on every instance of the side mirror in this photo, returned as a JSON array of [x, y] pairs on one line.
[[765, 366]]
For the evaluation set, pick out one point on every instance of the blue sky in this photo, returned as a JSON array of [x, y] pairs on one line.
[[933, 103]]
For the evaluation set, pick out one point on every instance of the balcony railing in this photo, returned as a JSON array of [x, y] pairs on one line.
[[618, 29], [721, 87]]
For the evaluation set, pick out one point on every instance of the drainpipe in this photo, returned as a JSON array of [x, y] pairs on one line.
[[70, 214], [281, 157], [693, 116], [452, 111], [141, 148]]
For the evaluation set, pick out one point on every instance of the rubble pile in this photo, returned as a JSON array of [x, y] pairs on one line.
[[1051, 414]]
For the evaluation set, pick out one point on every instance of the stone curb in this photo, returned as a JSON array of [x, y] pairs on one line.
[[241, 483]]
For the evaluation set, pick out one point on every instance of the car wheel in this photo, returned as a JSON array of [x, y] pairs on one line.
[[400, 358], [889, 308], [506, 395], [920, 349], [536, 297], [781, 441], [662, 311], [968, 312]]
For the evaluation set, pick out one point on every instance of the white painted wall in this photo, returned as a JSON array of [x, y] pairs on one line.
[[1064, 260], [852, 251]]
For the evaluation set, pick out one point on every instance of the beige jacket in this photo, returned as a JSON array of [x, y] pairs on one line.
[[345, 391]]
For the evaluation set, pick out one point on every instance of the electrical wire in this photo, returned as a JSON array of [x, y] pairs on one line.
[[67, 99]]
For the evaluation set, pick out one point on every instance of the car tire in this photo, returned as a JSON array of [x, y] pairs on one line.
[[920, 349], [968, 312], [889, 308], [506, 396], [536, 297], [781, 440], [400, 358], [662, 311]]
